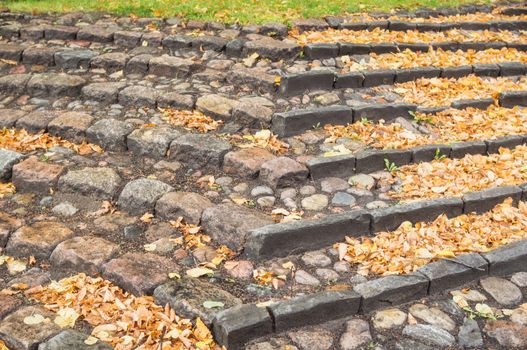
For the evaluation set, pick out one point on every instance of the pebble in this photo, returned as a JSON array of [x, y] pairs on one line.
[[362, 181], [471, 295], [262, 191], [288, 193], [240, 188], [266, 202], [224, 181], [357, 333], [429, 334], [290, 203], [319, 339], [341, 266], [504, 292], [316, 258], [357, 279], [333, 184], [303, 277], [343, 199], [469, 334], [433, 316], [132, 232], [65, 209], [519, 279], [327, 274], [308, 190], [315, 202], [376, 205], [389, 318]]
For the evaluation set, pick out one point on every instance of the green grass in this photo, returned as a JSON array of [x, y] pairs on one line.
[[228, 11]]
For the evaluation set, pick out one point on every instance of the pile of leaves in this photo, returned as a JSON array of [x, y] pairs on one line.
[[6, 189], [119, 318], [451, 125], [411, 246], [435, 58], [190, 119], [379, 35], [23, 141], [14, 265], [432, 92], [453, 177], [495, 15], [261, 139]]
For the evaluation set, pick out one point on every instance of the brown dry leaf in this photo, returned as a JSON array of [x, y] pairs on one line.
[[378, 35], [458, 176], [436, 58], [261, 139], [432, 92], [22, 141], [445, 127], [191, 120], [147, 218], [494, 15], [6, 189], [411, 246], [121, 319]]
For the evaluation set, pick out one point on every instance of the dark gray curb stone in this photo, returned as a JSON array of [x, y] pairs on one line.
[[448, 274], [313, 309], [295, 84], [388, 219], [507, 259], [391, 290], [374, 160], [299, 236], [239, 324], [337, 166], [294, 122], [482, 201], [509, 99]]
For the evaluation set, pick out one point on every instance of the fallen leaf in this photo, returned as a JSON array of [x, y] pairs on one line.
[[199, 272], [209, 304]]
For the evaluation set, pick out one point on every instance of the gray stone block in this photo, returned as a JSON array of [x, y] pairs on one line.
[[454, 273], [375, 160], [507, 259], [349, 80], [427, 153], [505, 141], [381, 48], [232, 328], [386, 111], [482, 201], [486, 70], [338, 166], [456, 72], [297, 121], [294, 237], [512, 68], [417, 47], [314, 309], [354, 49], [483, 103], [321, 50], [461, 149], [387, 219], [379, 77], [391, 290], [509, 99], [298, 83], [404, 75]]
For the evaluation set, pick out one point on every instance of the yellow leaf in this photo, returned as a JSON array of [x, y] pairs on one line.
[[91, 340], [66, 318], [34, 319], [199, 272]]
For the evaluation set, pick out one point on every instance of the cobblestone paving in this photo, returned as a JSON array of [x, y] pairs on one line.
[[155, 147]]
